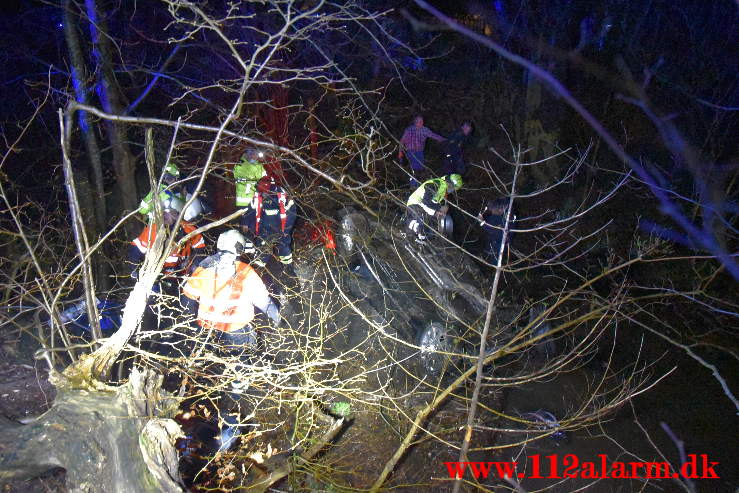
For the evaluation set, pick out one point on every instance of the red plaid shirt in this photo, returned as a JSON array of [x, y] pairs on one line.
[[414, 138]]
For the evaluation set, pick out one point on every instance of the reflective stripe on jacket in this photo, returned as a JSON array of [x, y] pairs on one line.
[[246, 175], [226, 303], [283, 206], [179, 258], [430, 195]]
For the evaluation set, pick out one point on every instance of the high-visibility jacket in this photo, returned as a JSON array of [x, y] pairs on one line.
[[431, 195], [180, 258], [247, 174], [226, 302], [147, 203]]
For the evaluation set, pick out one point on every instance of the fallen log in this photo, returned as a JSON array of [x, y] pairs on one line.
[[118, 439]]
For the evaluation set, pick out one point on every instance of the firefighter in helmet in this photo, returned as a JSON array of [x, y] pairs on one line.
[[224, 291], [182, 257], [246, 175], [428, 202], [227, 290], [167, 188]]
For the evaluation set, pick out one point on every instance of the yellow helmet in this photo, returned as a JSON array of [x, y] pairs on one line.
[[456, 180]]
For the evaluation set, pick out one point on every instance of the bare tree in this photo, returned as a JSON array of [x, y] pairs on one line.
[[418, 344]]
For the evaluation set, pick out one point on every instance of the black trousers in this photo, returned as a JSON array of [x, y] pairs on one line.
[[418, 221]]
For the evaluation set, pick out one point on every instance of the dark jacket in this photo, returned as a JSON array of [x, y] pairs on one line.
[[456, 142], [492, 229]]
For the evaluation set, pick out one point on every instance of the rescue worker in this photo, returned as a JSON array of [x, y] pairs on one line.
[[167, 188], [227, 290], [160, 310], [183, 257], [492, 221], [246, 175], [428, 202], [271, 219]]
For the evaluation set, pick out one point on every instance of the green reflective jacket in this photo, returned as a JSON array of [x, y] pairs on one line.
[[147, 204], [430, 195], [247, 174]]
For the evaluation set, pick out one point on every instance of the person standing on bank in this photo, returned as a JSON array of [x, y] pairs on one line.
[[412, 146], [492, 221], [454, 156]]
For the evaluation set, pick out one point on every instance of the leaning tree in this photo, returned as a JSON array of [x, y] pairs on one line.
[[419, 345]]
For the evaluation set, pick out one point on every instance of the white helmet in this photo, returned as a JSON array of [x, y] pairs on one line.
[[231, 241], [194, 209], [172, 203]]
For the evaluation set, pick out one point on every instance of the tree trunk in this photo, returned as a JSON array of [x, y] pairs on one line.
[[95, 212], [110, 99], [117, 439], [88, 205], [79, 81]]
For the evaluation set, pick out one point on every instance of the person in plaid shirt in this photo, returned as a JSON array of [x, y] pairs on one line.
[[412, 144]]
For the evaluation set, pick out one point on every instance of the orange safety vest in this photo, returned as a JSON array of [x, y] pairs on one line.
[[224, 303], [178, 259]]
